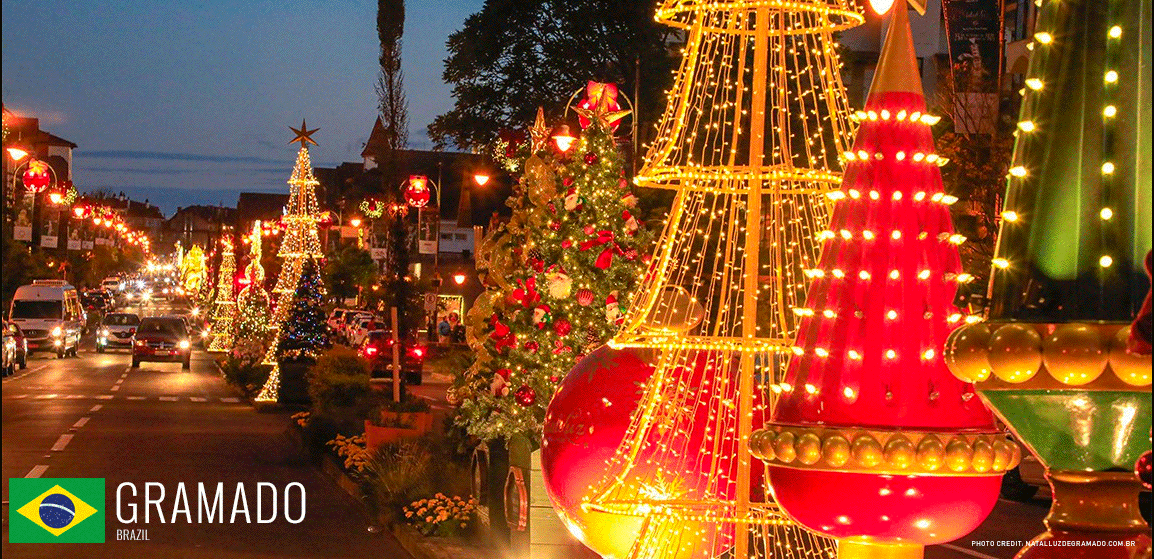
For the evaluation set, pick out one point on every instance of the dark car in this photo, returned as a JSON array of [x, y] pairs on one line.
[[116, 330], [378, 349], [162, 339], [21, 341]]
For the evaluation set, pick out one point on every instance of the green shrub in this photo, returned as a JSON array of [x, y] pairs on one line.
[[340, 391], [245, 374], [403, 472]]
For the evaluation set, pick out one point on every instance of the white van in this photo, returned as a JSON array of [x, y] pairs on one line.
[[49, 313], [111, 284]]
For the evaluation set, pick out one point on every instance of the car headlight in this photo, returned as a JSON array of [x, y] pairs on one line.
[[140, 343], [57, 332], [104, 332], [184, 344], [57, 343]]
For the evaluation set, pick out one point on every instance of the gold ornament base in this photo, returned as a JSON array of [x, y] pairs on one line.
[[870, 548], [1095, 502]]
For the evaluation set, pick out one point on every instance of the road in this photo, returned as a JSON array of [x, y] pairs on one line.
[[94, 416]]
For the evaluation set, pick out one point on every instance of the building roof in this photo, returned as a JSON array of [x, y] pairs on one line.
[[265, 206], [376, 140], [209, 214]]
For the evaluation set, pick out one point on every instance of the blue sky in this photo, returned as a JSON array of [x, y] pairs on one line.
[[186, 102]]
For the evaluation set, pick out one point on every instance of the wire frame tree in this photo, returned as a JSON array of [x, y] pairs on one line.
[[750, 141]]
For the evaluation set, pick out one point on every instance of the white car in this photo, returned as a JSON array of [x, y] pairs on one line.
[[116, 330], [361, 329]]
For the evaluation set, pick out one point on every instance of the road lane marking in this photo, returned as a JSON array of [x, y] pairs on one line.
[[96, 408], [80, 422], [104, 397], [18, 397], [136, 398], [24, 374], [197, 399], [126, 371], [37, 471], [45, 396], [169, 399], [61, 442], [115, 388], [75, 397], [230, 400], [120, 381], [969, 552]]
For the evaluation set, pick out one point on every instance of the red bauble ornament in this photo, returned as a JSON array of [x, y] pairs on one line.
[[38, 176], [1142, 469], [590, 158], [584, 424], [532, 347], [562, 327], [584, 297], [417, 192], [525, 395]]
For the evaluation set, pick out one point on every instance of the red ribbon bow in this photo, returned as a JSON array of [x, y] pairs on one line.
[[605, 259]]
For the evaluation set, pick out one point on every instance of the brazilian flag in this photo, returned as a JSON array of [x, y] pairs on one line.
[[56, 510]]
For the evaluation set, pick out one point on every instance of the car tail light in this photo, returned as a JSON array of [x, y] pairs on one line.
[[371, 350], [418, 352], [132, 330], [140, 343]]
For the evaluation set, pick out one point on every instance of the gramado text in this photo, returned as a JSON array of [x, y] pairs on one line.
[[263, 503]]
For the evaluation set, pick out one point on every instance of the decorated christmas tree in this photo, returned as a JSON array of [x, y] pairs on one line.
[[304, 334], [749, 142], [1055, 357], [562, 270], [300, 243], [253, 302], [224, 307], [868, 410]]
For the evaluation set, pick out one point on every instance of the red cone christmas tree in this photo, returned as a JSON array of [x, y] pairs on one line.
[[868, 411]]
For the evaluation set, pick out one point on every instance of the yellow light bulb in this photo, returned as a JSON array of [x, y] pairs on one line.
[[1106, 214], [1111, 76], [1110, 111], [1107, 168], [1115, 32], [1018, 171], [1026, 126], [1034, 83], [1043, 37], [1105, 261], [1001, 263], [1010, 216]]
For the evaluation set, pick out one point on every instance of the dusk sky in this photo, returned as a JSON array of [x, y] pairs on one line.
[[188, 103]]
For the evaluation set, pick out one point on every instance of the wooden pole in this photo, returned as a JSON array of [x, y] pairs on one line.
[[396, 356]]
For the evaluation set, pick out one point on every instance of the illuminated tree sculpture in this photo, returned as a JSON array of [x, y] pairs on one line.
[[868, 410], [750, 141], [193, 270], [224, 308], [253, 302], [300, 243], [1068, 277]]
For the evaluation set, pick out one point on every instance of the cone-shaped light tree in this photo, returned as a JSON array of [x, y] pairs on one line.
[[868, 410], [1052, 358], [224, 308], [300, 243]]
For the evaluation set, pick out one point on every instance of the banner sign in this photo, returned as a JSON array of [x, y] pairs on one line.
[[428, 222], [50, 233], [974, 30], [22, 229]]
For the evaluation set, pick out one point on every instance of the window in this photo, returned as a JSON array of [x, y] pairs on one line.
[[446, 236], [459, 236], [37, 309]]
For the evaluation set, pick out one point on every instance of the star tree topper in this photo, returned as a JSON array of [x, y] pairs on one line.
[[303, 135], [601, 104]]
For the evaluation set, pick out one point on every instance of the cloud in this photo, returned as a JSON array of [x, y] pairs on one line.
[[169, 156]]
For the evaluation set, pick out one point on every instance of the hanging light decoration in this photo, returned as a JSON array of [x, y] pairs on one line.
[[417, 192]]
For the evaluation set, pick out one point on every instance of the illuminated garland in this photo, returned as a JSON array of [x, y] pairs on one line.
[[224, 309]]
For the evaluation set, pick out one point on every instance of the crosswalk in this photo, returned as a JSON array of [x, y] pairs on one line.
[[194, 399]]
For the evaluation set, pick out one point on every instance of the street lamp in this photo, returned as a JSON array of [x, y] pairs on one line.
[[17, 153], [459, 278], [563, 138], [481, 179]]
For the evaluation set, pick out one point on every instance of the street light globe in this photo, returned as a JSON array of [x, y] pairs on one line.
[[355, 222], [481, 179], [459, 279], [16, 153]]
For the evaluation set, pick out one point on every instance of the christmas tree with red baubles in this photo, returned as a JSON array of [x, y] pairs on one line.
[[868, 410]]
